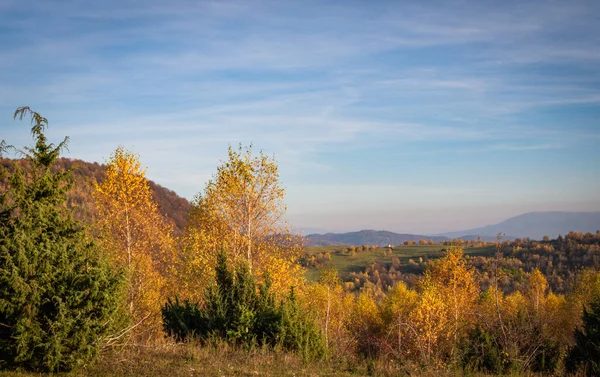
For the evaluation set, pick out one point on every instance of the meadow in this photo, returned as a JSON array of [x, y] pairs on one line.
[[345, 263]]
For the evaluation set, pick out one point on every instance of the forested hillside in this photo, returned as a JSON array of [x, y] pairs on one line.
[[86, 174]]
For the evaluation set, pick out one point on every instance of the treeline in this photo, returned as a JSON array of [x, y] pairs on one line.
[[69, 289]]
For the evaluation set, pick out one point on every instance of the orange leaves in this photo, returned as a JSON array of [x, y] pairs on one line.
[[136, 235]]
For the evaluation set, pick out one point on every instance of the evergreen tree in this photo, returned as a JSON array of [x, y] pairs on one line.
[[58, 296], [586, 351]]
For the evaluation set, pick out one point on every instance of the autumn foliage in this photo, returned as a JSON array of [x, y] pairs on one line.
[[137, 238], [240, 211], [233, 275]]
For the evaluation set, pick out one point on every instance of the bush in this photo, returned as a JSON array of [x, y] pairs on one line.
[[482, 352], [183, 319], [296, 331], [239, 313]]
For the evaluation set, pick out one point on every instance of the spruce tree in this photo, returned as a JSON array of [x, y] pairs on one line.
[[585, 353], [58, 296]]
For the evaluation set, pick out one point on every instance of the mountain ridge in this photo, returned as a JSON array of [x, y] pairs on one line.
[[536, 225], [367, 237]]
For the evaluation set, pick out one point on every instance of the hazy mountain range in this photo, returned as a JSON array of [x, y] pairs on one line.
[[534, 225], [366, 237]]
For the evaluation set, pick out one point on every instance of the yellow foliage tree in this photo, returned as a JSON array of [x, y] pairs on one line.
[[455, 282], [536, 288], [365, 323], [136, 235], [556, 318], [430, 320], [397, 307], [241, 211], [586, 288], [332, 305]]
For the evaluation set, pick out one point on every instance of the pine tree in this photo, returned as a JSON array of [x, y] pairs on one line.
[[58, 296]]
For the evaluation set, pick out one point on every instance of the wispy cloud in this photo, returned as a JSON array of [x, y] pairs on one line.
[[315, 83]]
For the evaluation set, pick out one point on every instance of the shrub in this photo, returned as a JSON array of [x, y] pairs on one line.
[[482, 352], [239, 312]]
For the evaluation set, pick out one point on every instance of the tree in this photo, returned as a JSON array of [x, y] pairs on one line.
[[399, 303], [430, 320], [137, 237], [448, 298], [586, 351], [536, 288], [241, 210], [59, 298], [366, 324], [330, 279], [331, 303]]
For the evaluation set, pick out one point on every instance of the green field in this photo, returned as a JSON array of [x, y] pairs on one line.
[[346, 263]]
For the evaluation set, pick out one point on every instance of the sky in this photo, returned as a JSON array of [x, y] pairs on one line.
[[409, 116]]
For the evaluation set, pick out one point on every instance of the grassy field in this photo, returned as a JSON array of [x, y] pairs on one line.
[[346, 263]]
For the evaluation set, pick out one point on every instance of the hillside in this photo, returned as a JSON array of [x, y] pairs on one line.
[[536, 225], [366, 237], [85, 174]]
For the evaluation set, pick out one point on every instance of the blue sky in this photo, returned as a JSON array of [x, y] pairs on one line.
[[406, 116]]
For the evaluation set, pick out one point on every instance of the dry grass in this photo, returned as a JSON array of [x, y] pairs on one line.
[[175, 360]]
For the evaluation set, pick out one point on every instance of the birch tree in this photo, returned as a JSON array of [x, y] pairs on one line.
[[136, 235], [241, 210]]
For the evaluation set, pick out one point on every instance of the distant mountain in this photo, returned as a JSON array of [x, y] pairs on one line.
[[536, 225], [85, 174], [366, 237]]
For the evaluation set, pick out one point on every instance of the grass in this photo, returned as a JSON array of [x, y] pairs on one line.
[[346, 263], [175, 360]]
